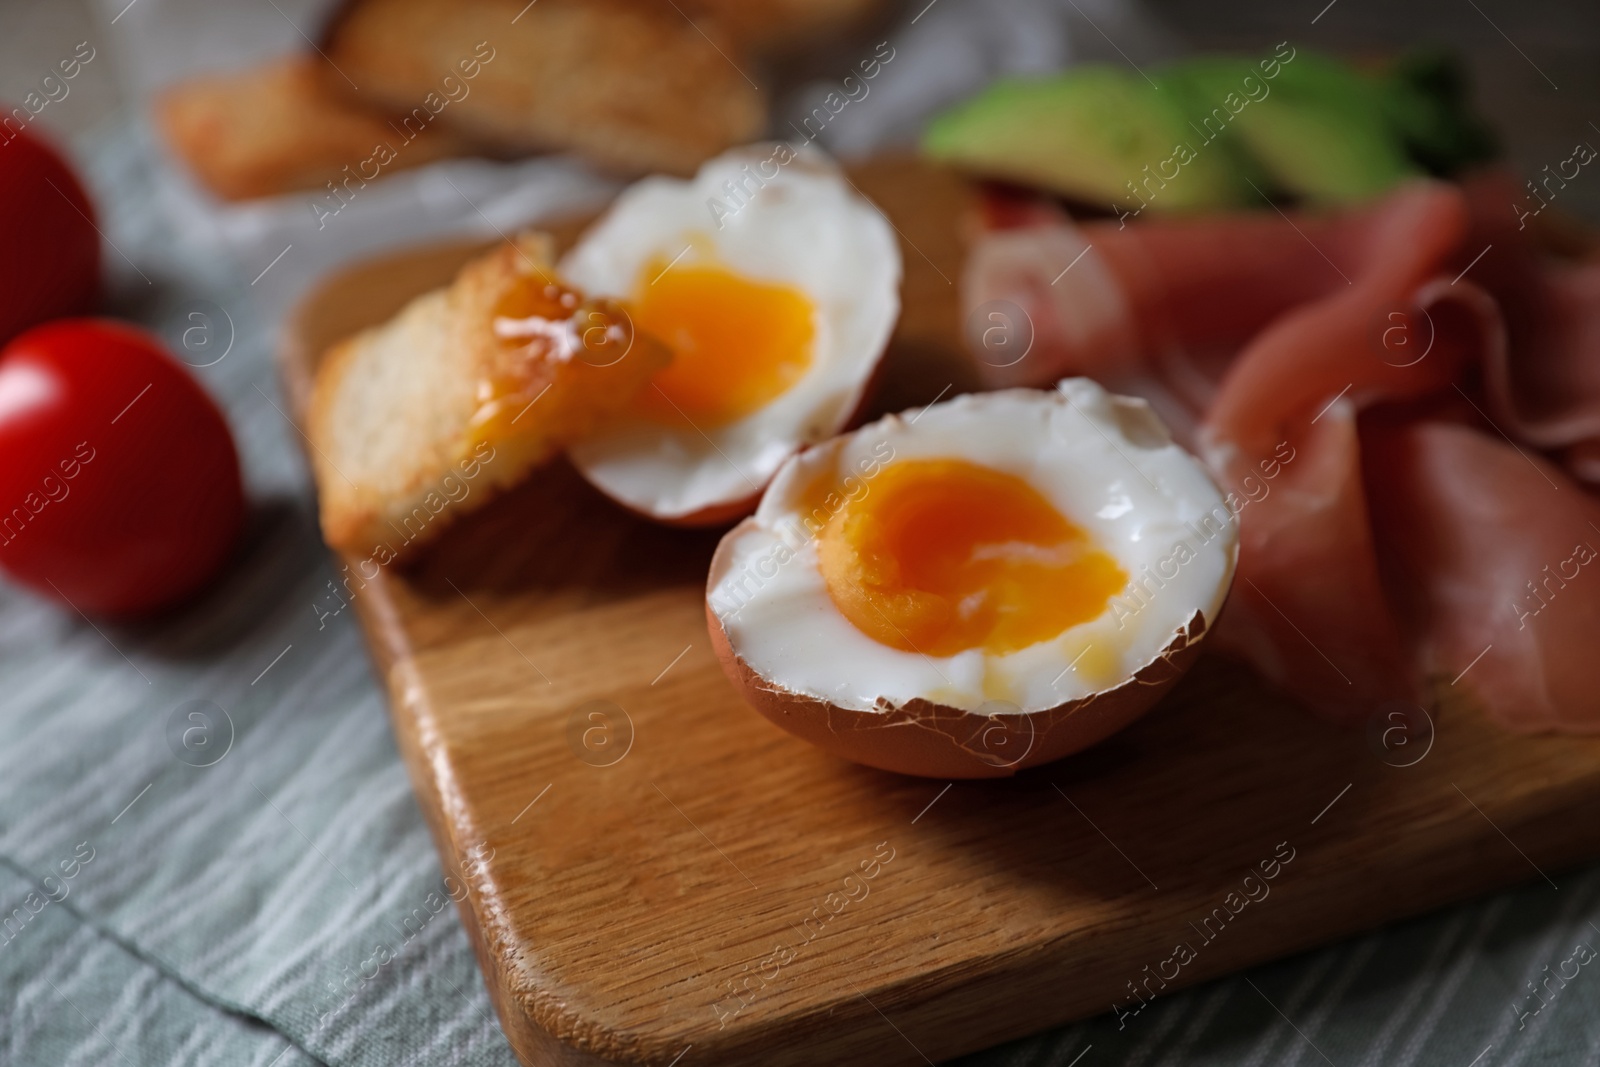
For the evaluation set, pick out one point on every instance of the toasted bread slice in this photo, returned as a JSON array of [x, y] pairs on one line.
[[770, 27], [284, 126], [462, 393], [634, 88]]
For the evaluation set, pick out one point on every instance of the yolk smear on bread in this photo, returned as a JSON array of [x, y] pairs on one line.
[[531, 297], [736, 344], [552, 339], [939, 556]]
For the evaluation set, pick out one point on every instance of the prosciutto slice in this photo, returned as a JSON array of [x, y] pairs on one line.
[[1402, 401], [1163, 296], [1497, 549]]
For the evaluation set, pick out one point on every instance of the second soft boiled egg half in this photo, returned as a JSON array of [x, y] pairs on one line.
[[985, 585], [776, 287]]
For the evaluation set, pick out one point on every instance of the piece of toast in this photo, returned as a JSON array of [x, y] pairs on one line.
[[462, 393], [634, 88], [778, 27], [284, 126]]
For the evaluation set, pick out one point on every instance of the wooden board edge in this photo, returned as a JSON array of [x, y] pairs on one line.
[[409, 714], [939, 1003], [384, 637]]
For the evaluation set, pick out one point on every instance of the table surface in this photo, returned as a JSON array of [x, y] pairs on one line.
[[233, 910]]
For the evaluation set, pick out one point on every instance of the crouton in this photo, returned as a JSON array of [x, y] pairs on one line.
[[462, 393], [283, 127], [632, 88]]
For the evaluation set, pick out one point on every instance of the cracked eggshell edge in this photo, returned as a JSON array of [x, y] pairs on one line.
[[935, 740]]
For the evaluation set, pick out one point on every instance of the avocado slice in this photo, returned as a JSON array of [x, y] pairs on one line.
[[1094, 134], [1426, 100], [1320, 130]]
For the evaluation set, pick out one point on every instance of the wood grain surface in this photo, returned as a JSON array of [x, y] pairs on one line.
[[658, 875]]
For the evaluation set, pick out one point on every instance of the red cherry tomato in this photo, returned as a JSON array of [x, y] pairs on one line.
[[119, 482], [49, 248]]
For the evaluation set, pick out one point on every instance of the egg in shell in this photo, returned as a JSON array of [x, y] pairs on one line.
[[983, 585], [776, 286]]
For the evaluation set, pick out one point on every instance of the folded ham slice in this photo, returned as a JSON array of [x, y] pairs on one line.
[[1375, 388], [1498, 548], [1542, 380], [1159, 297]]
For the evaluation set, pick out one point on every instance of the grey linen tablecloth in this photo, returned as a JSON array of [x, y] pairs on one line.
[[210, 854]]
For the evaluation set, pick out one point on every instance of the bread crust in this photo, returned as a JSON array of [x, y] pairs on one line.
[[783, 27], [282, 127], [633, 88], [427, 416]]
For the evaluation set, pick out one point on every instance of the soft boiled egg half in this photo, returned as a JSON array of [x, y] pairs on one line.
[[983, 585], [776, 287]]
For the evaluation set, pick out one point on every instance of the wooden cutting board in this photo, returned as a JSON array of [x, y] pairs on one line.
[[655, 874]]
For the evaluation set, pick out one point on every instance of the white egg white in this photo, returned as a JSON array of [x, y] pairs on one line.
[[796, 223], [1104, 461]]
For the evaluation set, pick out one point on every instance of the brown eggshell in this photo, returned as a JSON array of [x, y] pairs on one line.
[[938, 741], [709, 516]]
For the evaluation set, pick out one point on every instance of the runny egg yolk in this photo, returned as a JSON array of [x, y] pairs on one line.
[[736, 344], [939, 556]]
